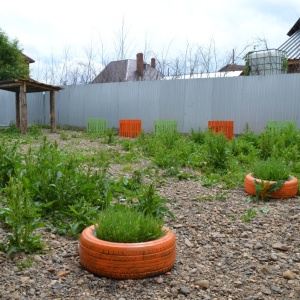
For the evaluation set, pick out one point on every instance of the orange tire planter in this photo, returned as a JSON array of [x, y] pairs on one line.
[[288, 190], [126, 260]]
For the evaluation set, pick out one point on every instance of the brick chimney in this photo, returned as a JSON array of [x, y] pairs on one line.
[[140, 64], [153, 63]]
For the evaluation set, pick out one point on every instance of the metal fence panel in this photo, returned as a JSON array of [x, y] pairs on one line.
[[192, 102]]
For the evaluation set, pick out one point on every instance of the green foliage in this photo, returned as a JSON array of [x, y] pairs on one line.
[[35, 130], [64, 136], [25, 263], [263, 189], [197, 136], [81, 214], [69, 187], [247, 66], [150, 203], [10, 160], [121, 223], [216, 146], [249, 215], [22, 216], [285, 64], [271, 169], [110, 136], [12, 63]]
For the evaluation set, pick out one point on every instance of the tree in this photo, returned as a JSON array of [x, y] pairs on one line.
[[12, 63]]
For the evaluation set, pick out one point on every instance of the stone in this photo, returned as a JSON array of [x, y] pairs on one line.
[[244, 235], [184, 290], [264, 271], [174, 292], [24, 278], [258, 245], [274, 257], [55, 244], [37, 258], [159, 280], [280, 246], [275, 289], [202, 283], [289, 275], [188, 243]]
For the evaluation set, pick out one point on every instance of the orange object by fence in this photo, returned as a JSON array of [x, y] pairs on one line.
[[130, 128], [226, 127]]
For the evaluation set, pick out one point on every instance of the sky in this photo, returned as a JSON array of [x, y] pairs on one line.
[[45, 29]]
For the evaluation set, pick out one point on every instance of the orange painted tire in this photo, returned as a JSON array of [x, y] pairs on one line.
[[288, 190], [126, 260]]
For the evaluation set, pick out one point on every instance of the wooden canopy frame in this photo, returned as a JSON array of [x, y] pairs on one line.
[[23, 86]]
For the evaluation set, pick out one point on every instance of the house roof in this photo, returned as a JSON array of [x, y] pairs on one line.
[[292, 45], [232, 67], [27, 58], [124, 70], [205, 75], [114, 71], [295, 28]]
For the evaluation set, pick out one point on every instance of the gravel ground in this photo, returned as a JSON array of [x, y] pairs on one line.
[[218, 255]]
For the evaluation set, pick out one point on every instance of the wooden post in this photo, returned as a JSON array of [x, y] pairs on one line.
[[23, 108], [52, 111], [18, 122]]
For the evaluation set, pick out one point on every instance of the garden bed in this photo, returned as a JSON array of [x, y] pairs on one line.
[[227, 247]]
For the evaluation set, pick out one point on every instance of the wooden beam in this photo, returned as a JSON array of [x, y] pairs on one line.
[[40, 86], [52, 111], [23, 108], [294, 61], [9, 85], [18, 122]]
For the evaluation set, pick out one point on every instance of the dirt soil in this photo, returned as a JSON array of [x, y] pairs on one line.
[[218, 255]]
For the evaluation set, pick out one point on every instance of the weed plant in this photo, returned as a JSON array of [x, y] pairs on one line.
[[22, 217], [125, 224], [272, 170], [217, 150]]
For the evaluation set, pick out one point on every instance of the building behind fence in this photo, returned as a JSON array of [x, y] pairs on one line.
[[192, 102]]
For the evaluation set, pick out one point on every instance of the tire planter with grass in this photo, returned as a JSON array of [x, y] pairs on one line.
[[288, 190], [126, 260]]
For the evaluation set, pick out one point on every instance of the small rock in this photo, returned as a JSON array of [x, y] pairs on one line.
[[274, 257], [24, 278], [178, 225], [280, 246], [37, 258], [31, 292], [202, 283], [258, 245], [264, 271], [188, 243], [184, 274], [159, 280], [267, 292], [275, 289], [174, 292], [184, 290], [244, 235], [55, 244], [289, 275]]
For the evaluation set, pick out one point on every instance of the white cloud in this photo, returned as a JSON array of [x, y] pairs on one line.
[[45, 29]]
